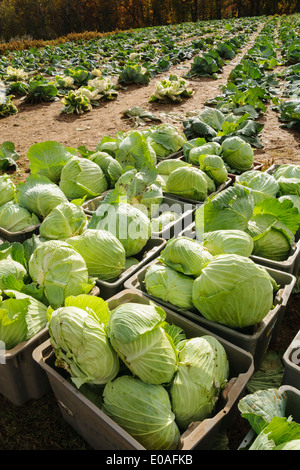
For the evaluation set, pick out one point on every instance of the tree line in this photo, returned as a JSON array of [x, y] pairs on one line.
[[49, 19]]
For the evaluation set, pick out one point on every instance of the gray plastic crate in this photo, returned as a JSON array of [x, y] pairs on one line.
[[255, 339], [292, 409], [150, 251], [19, 236], [182, 209], [101, 432], [21, 379], [291, 361]]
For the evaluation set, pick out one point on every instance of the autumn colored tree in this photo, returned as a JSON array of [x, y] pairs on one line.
[[48, 19]]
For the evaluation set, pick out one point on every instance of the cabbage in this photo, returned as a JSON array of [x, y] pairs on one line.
[[289, 185], [21, 317], [47, 159], [165, 167], [185, 255], [169, 285], [272, 227], [136, 333], [165, 139], [190, 182], [109, 165], [143, 410], [81, 346], [228, 241], [127, 223], [287, 170], [10, 267], [163, 220], [234, 291], [81, 177], [102, 252], [214, 167], [203, 371], [7, 189], [15, 218], [39, 195], [237, 154], [64, 221], [261, 184], [60, 270], [196, 154]]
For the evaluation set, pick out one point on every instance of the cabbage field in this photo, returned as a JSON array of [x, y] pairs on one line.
[[149, 237]]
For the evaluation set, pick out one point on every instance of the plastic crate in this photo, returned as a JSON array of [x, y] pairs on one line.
[[101, 432], [21, 379], [19, 236], [150, 251], [291, 361], [175, 155], [292, 409], [254, 339], [183, 210]]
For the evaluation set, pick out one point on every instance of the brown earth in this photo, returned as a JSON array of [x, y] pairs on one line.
[[38, 424]]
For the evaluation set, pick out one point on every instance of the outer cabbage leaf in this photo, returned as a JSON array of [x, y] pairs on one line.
[[47, 159]]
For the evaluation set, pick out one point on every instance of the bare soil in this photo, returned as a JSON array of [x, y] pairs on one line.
[[38, 424]]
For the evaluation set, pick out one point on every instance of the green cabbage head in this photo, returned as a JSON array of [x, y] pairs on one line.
[[185, 255], [81, 345], [228, 241], [102, 252], [60, 270], [7, 189], [15, 218], [202, 372], [237, 154], [143, 410], [169, 285], [81, 177], [190, 182], [234, 291], [21, 318], [10, 267], [127, 223], [136, 332], [64, 221]]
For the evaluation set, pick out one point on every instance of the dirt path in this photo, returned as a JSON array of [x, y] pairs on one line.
[[37, 123]]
